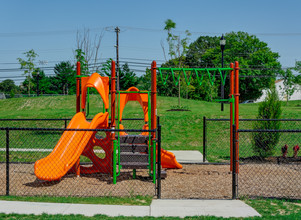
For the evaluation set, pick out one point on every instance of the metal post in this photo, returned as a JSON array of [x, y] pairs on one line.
[[236, 108], [114, 162], [204, 139], [153, 98], [159, 160], [234, 173], [154, 161], [7, 161], [65, 123], [78, 87], [231, 113], [222, 85], [222, 44], [117, 30]]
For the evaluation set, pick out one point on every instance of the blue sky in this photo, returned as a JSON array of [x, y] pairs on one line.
[[49, 27]]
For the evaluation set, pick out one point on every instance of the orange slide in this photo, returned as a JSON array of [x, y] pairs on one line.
[[168, 160], [69, 148]]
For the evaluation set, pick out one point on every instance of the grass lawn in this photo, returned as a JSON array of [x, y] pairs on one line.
[[180, 130]]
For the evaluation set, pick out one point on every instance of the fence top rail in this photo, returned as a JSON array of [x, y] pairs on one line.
[[68, 129], [34, 119], [226, 119], [270, 130]]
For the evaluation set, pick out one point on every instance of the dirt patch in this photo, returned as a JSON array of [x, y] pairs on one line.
[[178, 110], [193, 181]]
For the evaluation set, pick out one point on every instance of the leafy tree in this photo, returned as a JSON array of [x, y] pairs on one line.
[[65, 76], [8, 86], [105, 69], [80, 57], [254, 56], [46, 84], [28, 66], [144, 81], [264, 143], [297, 68], [177, 49], [288, 83], [127, 77]]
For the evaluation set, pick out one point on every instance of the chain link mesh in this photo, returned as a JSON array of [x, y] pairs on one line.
[[276, 174], [28, 145]]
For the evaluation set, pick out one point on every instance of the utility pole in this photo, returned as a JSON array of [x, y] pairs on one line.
[[117, 30]]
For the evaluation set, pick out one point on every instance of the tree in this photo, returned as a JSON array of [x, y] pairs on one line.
[[8, 86], [127, 77], [105, 69], [288, 84], [264, 143], [80, 57], [254, 56], [41, 83], [28, 65], [297, 68], [65, 75], [89, 47], [177, 49]]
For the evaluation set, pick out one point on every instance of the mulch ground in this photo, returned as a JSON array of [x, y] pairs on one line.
[[193, 181]]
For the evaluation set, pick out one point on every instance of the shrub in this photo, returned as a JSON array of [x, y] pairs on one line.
[[264, 143]]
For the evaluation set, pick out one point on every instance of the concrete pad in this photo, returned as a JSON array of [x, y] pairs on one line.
[[38, 208], [172, 208], [109, 210], [193, 207], [188, 156]]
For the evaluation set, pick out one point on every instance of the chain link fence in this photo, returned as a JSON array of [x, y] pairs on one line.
[[216, 136], [24, 142], [270, 166], [269, 160]]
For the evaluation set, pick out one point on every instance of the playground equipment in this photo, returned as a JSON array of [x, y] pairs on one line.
[[199, 73], [123, 151]]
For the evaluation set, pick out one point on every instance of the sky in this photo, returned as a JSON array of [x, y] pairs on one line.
[[50, 28]]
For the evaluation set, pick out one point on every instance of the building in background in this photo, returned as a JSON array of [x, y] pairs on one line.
[[282, 95]]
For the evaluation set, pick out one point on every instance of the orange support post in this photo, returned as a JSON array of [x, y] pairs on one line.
[[113, 94], [231, 113], [154, 98], [236, 95], [77, 166], [77, 87]]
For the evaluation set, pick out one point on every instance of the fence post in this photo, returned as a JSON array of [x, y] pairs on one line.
[[65, 123], [7, 161], [204, 139], [159, 160], [234, 163]]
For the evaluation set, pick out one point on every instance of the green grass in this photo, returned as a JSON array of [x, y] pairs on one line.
[[180, 130], [134, 200], [268, 208]]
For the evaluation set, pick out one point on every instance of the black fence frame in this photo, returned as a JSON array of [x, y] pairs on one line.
[[241, 130], [235, 191], [7, 138]]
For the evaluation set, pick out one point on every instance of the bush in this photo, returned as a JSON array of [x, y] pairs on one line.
[[264, 143]]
